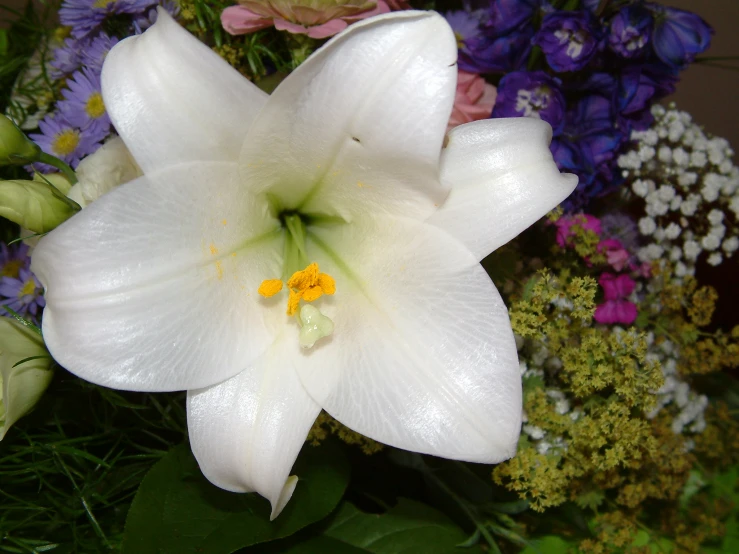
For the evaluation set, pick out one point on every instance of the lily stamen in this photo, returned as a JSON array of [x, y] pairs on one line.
[[308, 285]]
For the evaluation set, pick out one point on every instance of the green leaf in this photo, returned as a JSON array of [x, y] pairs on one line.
[[176, 510], [550, 544], [410, 527]]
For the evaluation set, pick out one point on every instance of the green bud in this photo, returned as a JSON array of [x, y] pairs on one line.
[[36, 206], [59, 181], [21, 386], [15, 148]]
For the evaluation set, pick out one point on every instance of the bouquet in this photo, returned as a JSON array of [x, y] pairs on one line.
[[363, 276]]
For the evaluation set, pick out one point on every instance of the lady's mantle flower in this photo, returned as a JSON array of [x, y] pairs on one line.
[[315, 18], [474, 99], [616, 309], [567, 39], [342, 166]]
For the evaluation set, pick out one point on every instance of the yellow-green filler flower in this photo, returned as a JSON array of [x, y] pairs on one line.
[[337, 192], [21, 384]]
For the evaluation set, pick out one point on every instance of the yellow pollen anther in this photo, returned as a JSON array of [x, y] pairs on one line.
[[270, 287], [307, 285], [293, 301]]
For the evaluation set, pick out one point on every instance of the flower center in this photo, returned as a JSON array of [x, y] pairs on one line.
[[66, 142], [530, 102], [94, 106], [306, 285], [28, 288], [11, 269]]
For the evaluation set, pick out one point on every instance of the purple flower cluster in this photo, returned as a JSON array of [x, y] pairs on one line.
[[80, 123], [19, 289], [593, 73]]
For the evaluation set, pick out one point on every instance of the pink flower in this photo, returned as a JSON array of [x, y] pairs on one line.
[[564, 226], [474, 99], [616, 255], [616, 309], [315, 18]]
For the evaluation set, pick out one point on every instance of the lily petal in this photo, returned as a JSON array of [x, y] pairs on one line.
[[173, 100], [359, 125], [422, 356], [152, 287], [503, 179], [247, 432]]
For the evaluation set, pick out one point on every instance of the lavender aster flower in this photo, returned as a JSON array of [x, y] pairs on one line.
[[67, 58], [147, 18], [83, 104], [629, 31], [13, 258], [86, 16], [95, 51], [678, 35], [65, 141], [568, 39], [23, 294], [530, 94]]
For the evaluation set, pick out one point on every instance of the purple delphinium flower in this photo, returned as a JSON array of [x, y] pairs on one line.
[[629, 31], [507, 15], [530, 94], [640, 86], [588, 145], [94, 53], [67, 58], [83, 104], [466, 27], [13, 258], [568, 39], [23, 295], [678, 35], [60, 138]]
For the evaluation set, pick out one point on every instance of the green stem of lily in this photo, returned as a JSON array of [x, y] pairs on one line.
[[59, 164]]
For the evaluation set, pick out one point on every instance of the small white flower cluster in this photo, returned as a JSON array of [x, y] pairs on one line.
[[676, 394], [690, 186]]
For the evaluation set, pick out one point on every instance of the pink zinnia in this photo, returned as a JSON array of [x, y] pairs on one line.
[[315, 18], [474, 99], [616, 309]]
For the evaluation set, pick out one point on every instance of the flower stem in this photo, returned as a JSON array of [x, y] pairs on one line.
[[59, 164]]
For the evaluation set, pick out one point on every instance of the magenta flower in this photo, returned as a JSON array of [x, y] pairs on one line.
[[315, 18], [616, 309], [616, 255], [564, 227]]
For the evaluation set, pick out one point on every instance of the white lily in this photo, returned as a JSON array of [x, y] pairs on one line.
[[153, 287]]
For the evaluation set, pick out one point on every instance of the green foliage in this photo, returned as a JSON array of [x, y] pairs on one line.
[[177, 511]]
